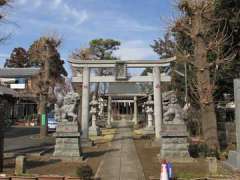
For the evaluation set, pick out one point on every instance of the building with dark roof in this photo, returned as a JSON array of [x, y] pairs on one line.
[[18, 72], [18, 83]]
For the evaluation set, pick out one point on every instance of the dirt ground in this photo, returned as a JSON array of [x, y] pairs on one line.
[[42, 165], [152, 166]]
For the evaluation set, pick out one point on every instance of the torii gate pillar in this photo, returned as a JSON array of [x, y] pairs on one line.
[[157, 101], [85, 103]]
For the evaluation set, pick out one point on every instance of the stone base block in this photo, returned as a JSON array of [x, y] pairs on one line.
[[175, 149], [67, 147], [136, 126], [176, 159], [69, 159], [86, 142], [148, 131], [67, 141], [94, 131], [156, 142], [233, 161], [178, 147], [109, 126]]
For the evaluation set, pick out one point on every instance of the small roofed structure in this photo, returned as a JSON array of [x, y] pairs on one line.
[[125, 89], [124, 97], [18, 72], [7, 91]]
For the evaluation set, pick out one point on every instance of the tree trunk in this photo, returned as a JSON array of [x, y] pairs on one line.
[[42, 115], [42, 111], [205, 91]]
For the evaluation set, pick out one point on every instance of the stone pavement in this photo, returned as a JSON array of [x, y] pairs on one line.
[[122, 162]]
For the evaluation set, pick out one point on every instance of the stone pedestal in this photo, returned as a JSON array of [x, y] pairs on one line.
[[108, 126], [148, 130], [212, 165], [174, 145], [233, 160], [20, 165], [67, 141], [94, 131], [86, 142]]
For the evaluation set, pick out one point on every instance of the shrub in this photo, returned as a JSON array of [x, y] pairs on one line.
[[85, 172], [202, 150]]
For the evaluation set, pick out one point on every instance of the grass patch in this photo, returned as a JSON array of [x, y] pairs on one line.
[[106, 136]]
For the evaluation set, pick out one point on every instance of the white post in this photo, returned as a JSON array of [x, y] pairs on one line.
[[85, 103], [150, 120], [109, 111], [157, 101], [94, 118], [234, 156], [237, 111], [135, 118]]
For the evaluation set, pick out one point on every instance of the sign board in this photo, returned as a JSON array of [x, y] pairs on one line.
[[43, 119], [17, 86], [121, 70]]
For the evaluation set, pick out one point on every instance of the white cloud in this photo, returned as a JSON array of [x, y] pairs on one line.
[[37, 3], [71, 13], [135, 50], [56, 3], [132, 25], [21, 2], [57, 9]]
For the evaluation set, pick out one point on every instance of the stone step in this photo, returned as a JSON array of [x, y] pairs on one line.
[[174, 154], [177, 147]]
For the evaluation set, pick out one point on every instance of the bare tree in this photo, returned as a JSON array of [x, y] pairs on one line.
[[197, 23], [3, 4], [18, 59], [43, 53]]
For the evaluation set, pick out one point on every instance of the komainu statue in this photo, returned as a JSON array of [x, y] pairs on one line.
[[69, 106], [174, 135], [173, 113], [66, 102]]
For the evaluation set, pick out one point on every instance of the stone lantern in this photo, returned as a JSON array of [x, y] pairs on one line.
[[94, 130], [149, 111]]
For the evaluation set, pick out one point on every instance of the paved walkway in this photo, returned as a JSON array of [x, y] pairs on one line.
[[122, 162]]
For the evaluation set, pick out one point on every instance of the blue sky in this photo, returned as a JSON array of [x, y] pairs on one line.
[[136, 23]]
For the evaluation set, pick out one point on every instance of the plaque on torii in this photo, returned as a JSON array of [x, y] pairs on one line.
[[121, 70]]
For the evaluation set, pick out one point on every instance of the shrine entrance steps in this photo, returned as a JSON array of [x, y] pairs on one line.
[[122, 162]]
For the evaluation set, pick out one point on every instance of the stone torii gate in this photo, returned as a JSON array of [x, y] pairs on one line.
[[83, 67]]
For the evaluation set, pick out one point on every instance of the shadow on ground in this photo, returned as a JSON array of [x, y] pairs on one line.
[[30, 149], [14, 132], [98, 153]]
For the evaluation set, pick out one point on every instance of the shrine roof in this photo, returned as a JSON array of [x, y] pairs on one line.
[[125, 89]]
